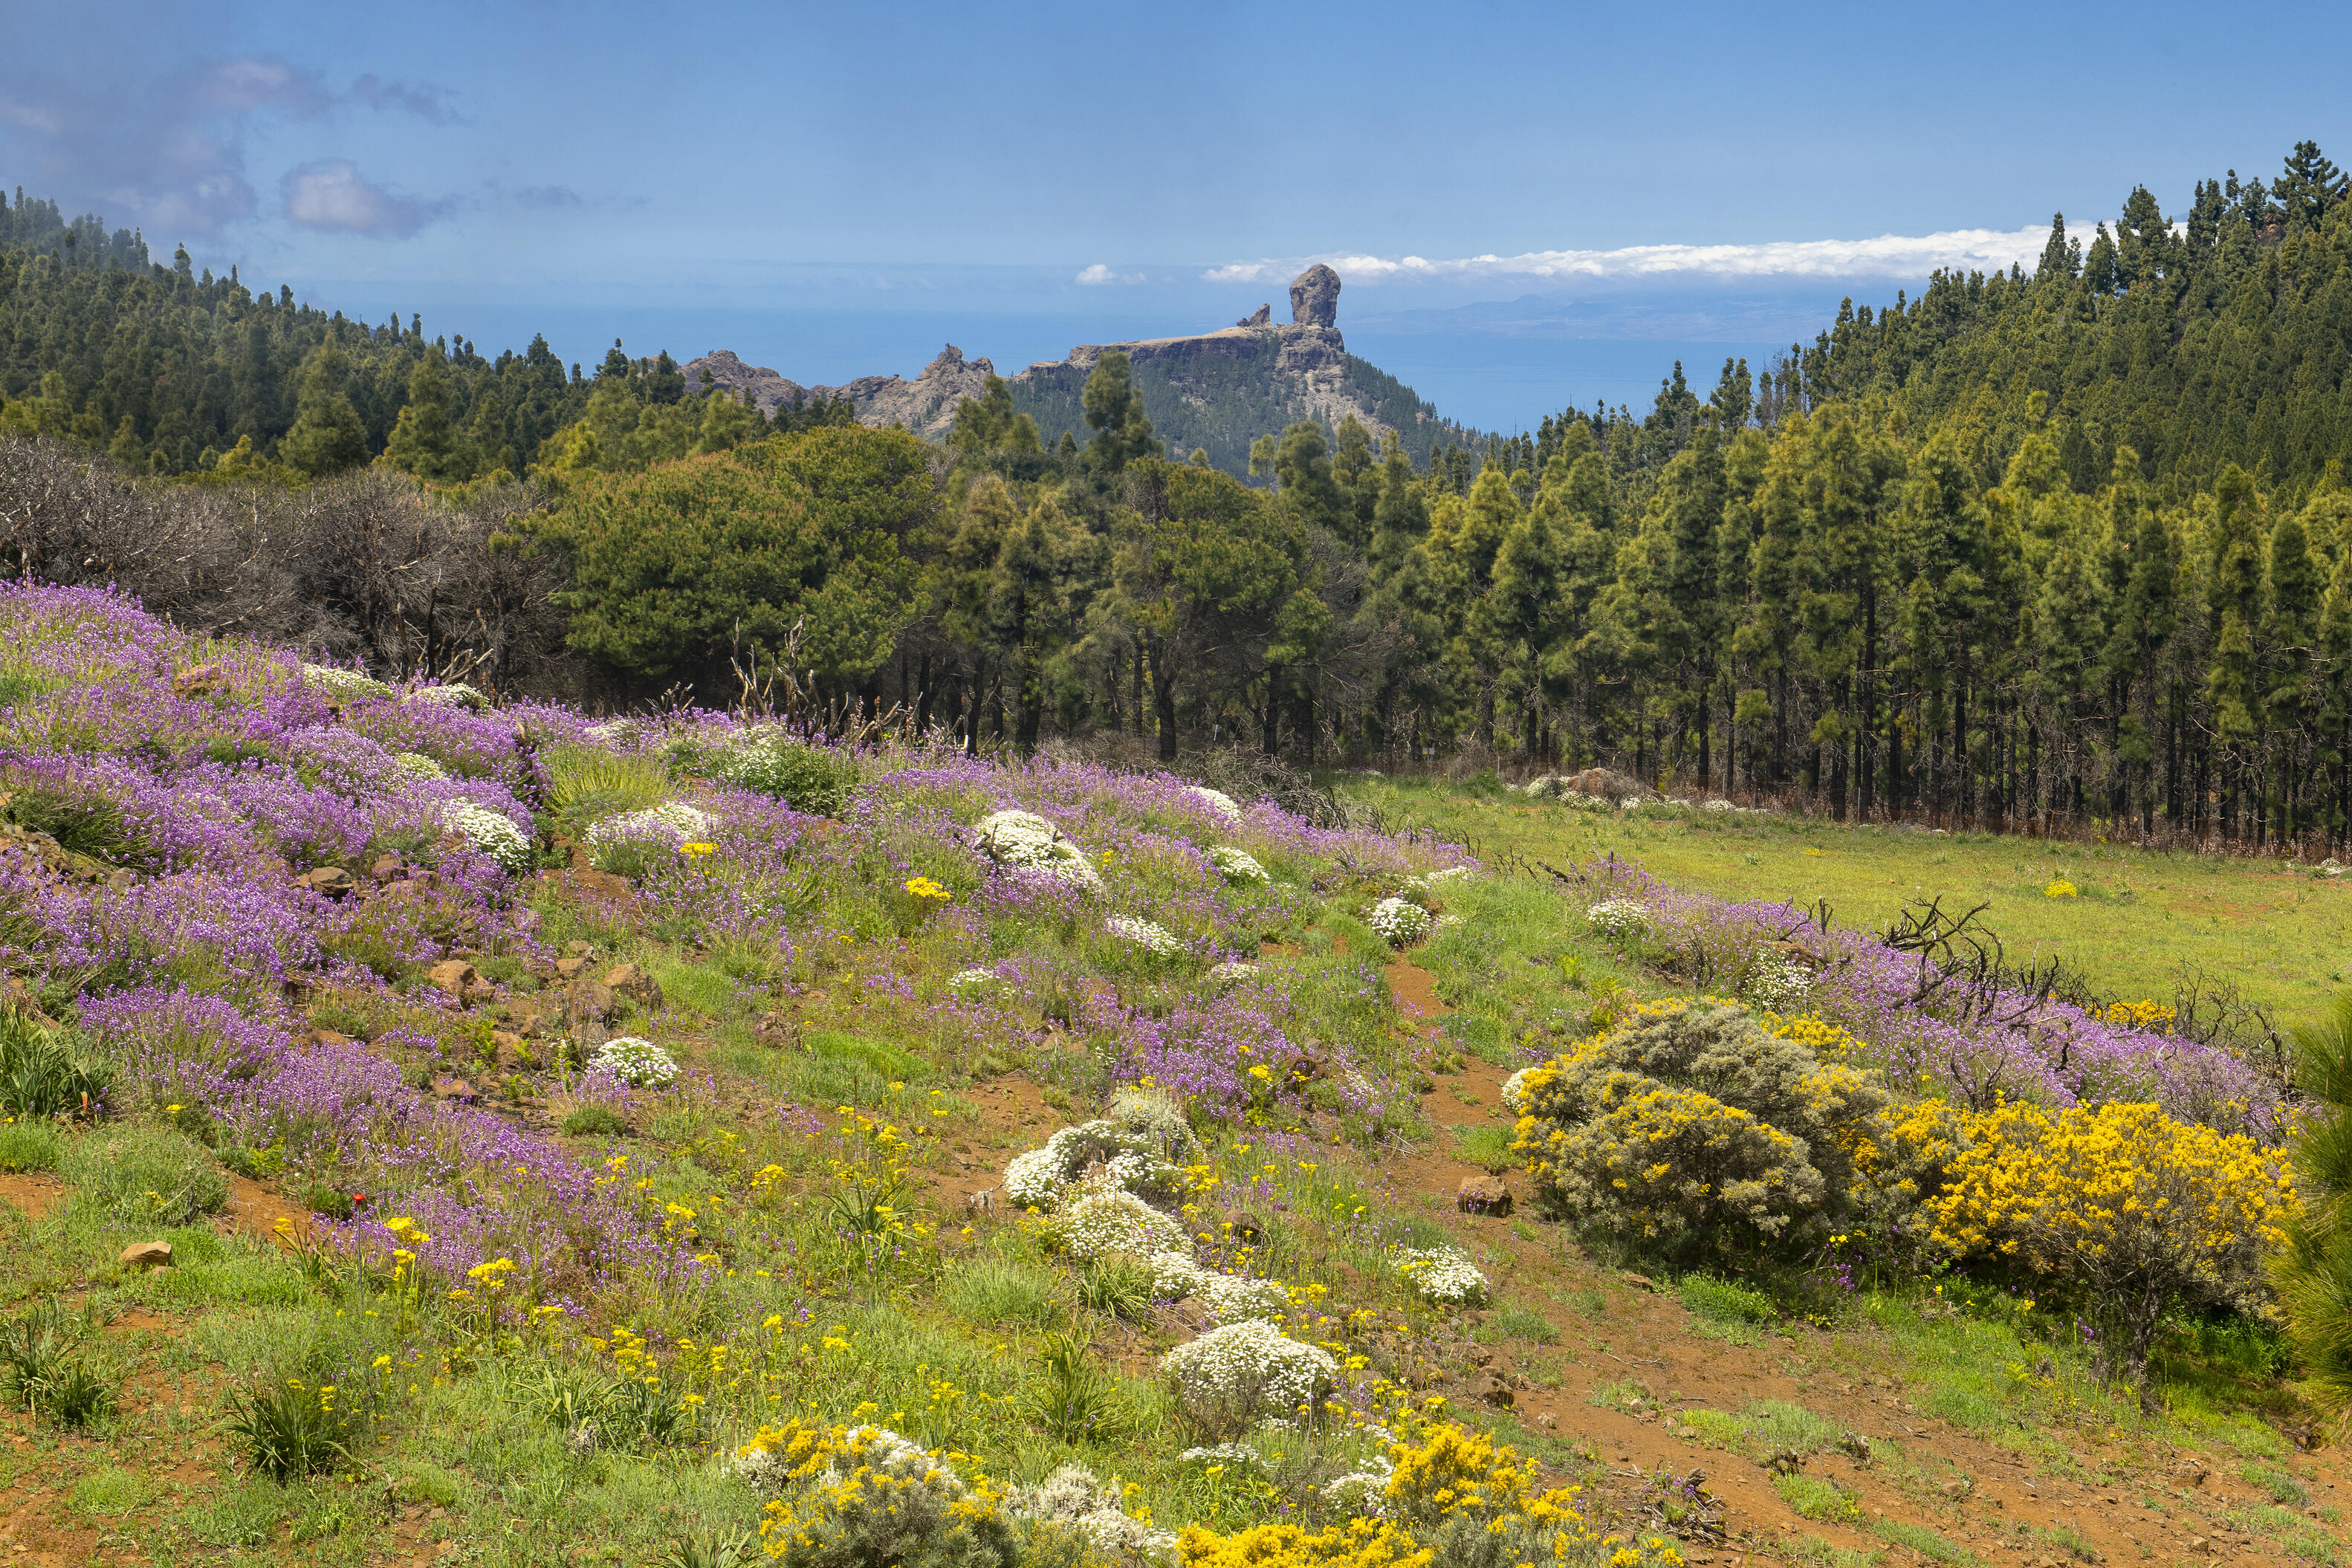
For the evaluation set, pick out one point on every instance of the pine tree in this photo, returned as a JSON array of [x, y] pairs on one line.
[[328, 436], [426, 441]]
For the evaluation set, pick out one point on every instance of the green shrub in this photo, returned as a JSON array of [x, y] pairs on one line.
[[39, 1073], [27, 1146], [1687, 1121], [813, 780], [1517, 1322], [147, 1175]]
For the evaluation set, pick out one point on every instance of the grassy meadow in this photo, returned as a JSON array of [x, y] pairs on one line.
[[2138, 918]]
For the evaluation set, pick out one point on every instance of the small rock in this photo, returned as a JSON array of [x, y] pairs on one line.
[[1247, 1228], [1548, 1421], [511, 1049], [1483, 1195], [332, 880], [199, 680], [1641, 1281], [627, 980], [579, 949], [567, 968], [1958, 1487], [589, 1002], [147, 1255], [454, 1089], [1495, 1391], [454, 976], [980, 1202], [388, 869]]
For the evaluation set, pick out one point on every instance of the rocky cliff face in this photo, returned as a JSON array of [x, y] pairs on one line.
[[925, 405], [1278, 373]]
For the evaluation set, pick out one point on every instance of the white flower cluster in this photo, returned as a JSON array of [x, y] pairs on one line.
[[1515, 1092], [637, 1062], [1429, 881], [1216, 800], [767, 1471], [340, 683], [1777, 983], [454, 695], [1440, 1275], [1233, 1298], [673, 820], [1232, 971], [1237, 865], [965, 981], [1131, 1158], [1073, 1498], [1149, 935], [417, 765], [1398, 922], [489, 832], [1103, 1219], [1361, 1490], [1618, 919], [1025, 841], [1250, 1369]]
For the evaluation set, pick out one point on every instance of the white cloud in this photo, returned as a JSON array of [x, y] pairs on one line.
[[1098, 274], [332, 194], [1890, 254]]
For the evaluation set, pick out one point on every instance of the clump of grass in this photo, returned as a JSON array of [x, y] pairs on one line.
[[1928, 1543], [1816, 1499], [1519, 1324], [42, 1370], [27, 1146], [40, 1076], [594, 1120], [147, 1175], [290, 1429], [1079, 1401], [586, 783], [1116, 1285], [1002, 1291], [1724, 1301], [1488, 1148]]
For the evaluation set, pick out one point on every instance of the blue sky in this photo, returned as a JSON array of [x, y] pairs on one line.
[[834, 189]]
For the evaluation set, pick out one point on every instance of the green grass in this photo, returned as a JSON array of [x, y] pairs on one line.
[[27, 1146], [2139, 916], [1816, 1499], [1928, 1543]]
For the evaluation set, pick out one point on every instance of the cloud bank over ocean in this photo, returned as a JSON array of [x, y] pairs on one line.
[[1887, 255]]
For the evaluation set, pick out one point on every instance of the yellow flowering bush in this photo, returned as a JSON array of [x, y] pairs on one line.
[[1902, 1164], [855, 1496], [2059, 889], [1455, 1499], [2147, 1014], [2138, 1208], [1686, 1115]]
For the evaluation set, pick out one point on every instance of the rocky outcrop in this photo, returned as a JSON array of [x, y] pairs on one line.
[[1315, 298], [764, 387], [1302, 362], [925, 405]]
